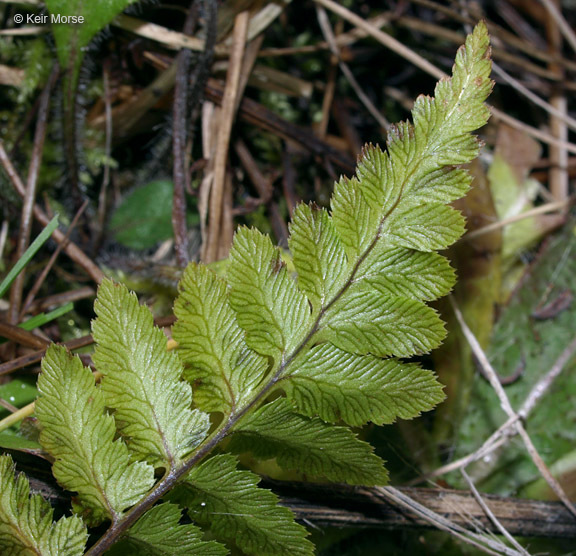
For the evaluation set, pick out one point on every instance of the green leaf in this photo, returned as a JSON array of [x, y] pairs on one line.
[[142, 380], [319, 256], [72, 38], [229, 502], [28, 254], [217, 360], [334, 385], [144, 217], [79, 434], [398, 195], [26, 526], [400, 272], [354, 220], [268, 305], [308, 445], [364, 321], [159, 533]]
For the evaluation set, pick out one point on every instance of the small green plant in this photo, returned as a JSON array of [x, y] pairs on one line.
[[266, 364]]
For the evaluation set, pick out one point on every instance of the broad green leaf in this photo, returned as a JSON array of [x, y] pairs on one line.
[[142, 380], [400, 195], [364, 321], [72, 37], [159, 533], [230, 503], [144, 217], [354, 220], [400, 272], [26, 526], [308, 445], [336, 385], [319, 256], [268, 304], [425, 227], [217, 361], [79, 434]]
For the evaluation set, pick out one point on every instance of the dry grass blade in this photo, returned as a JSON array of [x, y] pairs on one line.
[[491, 515], [431, 69], [331, 40], [71, 249], [490, 373], [229, 103], [482, 542]]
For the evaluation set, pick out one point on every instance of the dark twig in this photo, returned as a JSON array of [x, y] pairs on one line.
[[71, 249], [30, 196], [40, 280], [179, 140]]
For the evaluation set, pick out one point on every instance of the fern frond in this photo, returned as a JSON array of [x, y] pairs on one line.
[[229, 502], [26, 526], [142, 380], [337, 385], [268, 304], [159, 533], [211, 343], [308, 445], [78, 433]]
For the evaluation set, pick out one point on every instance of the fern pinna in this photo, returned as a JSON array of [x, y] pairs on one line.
[[272, 365]]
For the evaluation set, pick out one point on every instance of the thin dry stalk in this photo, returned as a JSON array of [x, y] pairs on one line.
[[71, 249], [560, 22], [558, 155], [228, 110], [30, 196], [490, 373], [40, 280], [331, 40], [482, 542], [554, 206], [544, 384], [179, 139], [491, 515], [431, 69]]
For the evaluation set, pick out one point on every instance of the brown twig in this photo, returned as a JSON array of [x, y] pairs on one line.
[[30, 196], [558, 154], [507, 408], [40, 280], [229, 104], [71, 249], [420, 62], [21, 336], [179, 141], [365, 508]]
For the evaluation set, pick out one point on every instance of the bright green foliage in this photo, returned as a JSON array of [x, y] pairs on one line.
[[71, 39], [230, 503], [318, 254], [26, 526], [328, 340], [308, 445], [338, 385], [159, 533], [79, 435], [268, 305], [212, 345], [142, 380], [145, 216]]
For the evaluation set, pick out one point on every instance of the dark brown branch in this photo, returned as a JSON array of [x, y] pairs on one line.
[[71, 249], [179, 139], [256, 114], [361, 507]]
